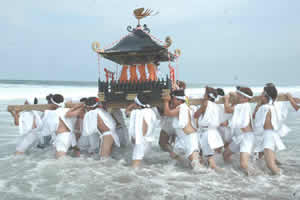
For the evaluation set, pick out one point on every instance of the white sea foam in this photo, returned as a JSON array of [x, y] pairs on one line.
[[38, 175], [15, 91], [20, 92]]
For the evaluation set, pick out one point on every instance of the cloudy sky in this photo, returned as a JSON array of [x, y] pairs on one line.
[[255, 41]]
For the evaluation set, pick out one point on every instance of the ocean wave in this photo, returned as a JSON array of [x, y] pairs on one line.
[[40, 89]]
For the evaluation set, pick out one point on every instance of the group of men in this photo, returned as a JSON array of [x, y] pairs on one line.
[[188, 132]]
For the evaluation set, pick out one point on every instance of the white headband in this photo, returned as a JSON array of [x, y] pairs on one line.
[[181, 98], [58, 104], [211, 95], [244, 94], [137, 101], [93, 106]]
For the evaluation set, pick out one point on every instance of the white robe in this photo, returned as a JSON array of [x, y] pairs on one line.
[[136, 124], [121, 129], [187, 142], [278, 115], [142, 142], [50, 123], [26, 121], [242, 117], [29, 136], [208, 123], [225, 132], [90, 124], [166, 125]]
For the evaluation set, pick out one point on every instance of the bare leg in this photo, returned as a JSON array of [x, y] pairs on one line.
[[278, 163], [244, 158], [260, 155], [226, 144], [194, 156], [136, 163], [227, 155], [270, 161], [76, 151], [60, 154], [106, 147], [164, 141], [219, 150], [202, 162], [196, 160], [19, 153], [211, 162]]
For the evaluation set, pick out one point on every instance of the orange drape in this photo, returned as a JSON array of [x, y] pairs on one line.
[[142, 71], [133, 75], [152, 72], [123, 76]]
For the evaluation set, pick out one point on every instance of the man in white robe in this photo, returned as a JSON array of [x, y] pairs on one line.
[[29, 123], [143, 121], [241, 125], [167, 135], [208, 118], [269, 117], [60, 123], [100, 128], [185, 127], [121, 127]]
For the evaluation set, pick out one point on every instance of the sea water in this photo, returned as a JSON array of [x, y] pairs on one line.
[[38, 175]]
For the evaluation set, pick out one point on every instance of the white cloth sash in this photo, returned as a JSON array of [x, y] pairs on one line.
[[241, 117], [26, 121], [182, 120], [68, 121], [278, 115], [90, 124], [136, 124], [212, 116]]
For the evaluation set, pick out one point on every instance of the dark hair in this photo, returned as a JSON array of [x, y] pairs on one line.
[[245, 90], [58, 98], [181, 84], [160, 110], [91, 101], [48, 97], [210, 90], [35, 101], [143, 98], [83, 99], [220, 92], [177, 93], [271, 91]]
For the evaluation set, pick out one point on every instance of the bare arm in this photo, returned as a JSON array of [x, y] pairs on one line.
[[16, 117], [75, 111], [293, 102], [170, 112], [228, 108], [201, 110], [130, 108]]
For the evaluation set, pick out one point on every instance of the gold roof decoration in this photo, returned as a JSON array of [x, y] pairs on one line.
[[141, 13]]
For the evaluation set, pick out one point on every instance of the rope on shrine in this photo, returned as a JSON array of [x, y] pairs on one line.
[[99, 66]]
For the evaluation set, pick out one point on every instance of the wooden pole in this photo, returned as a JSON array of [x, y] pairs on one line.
[[124, 104], [38, 107]]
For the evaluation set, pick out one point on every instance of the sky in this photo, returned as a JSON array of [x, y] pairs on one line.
[[222, 41]]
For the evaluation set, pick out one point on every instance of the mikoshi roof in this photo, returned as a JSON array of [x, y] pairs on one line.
[[137, 48]]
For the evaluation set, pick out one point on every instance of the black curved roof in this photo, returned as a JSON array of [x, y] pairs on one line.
[[137, 48]]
